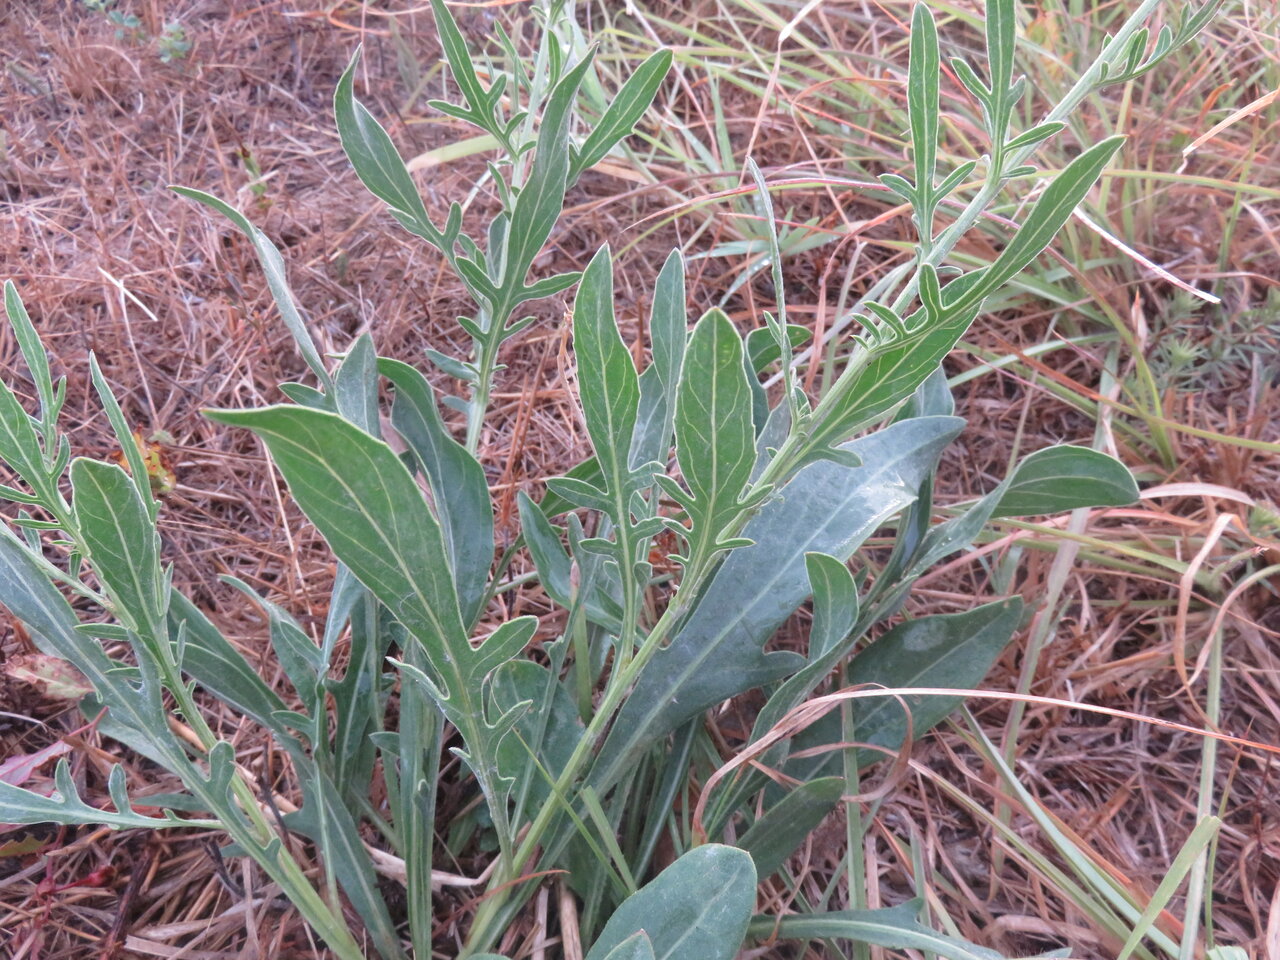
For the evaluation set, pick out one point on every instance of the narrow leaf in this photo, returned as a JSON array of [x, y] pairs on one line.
[[783, 828], [719, 651], [892, 927], [658, 383], [273, 267], [375, 159], [459, 488], [1050, 212], [607, 382], [626, 108]]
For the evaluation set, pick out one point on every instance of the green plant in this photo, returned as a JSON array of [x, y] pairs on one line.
[[171, 43], [584, 755]]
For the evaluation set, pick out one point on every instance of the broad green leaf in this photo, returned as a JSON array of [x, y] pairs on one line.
[[658, 383], [783, 828], [892, 927], [273, 267], [697, 907], [375, 159], [715, 439], [364, 502], [626, 108], [719, 651], [949, 650], [123, 545], [1063, 478], [459, 489]]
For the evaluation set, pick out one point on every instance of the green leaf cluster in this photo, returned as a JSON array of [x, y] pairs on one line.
[[581, 731]]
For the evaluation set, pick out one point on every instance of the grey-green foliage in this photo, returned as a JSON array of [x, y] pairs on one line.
[[581, 751]]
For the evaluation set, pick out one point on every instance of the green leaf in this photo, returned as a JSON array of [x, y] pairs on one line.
[[1036, 135], [658, 384], [543, 739], [300, 659], [464, 71], [1002, 42], [459, 488], [835, 613], [719, 651], [762, 346], [892, 372], [554, 565], [892, 927], [355, 385], [33, 353], [19, 442], [778, 834], [949, 650], [220, 668], [1050, 212], [364, 502], [273, 267], [697, 907], [626, 108], [922, 111], [324, 819], [65, 807], [1063, 478], [715, 438], [123, 545], [608, 386], [542, 198], [377, 162], [835, 603], [635, 947]]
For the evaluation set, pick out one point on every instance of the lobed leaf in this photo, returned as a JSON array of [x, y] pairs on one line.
[[719, 650]]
